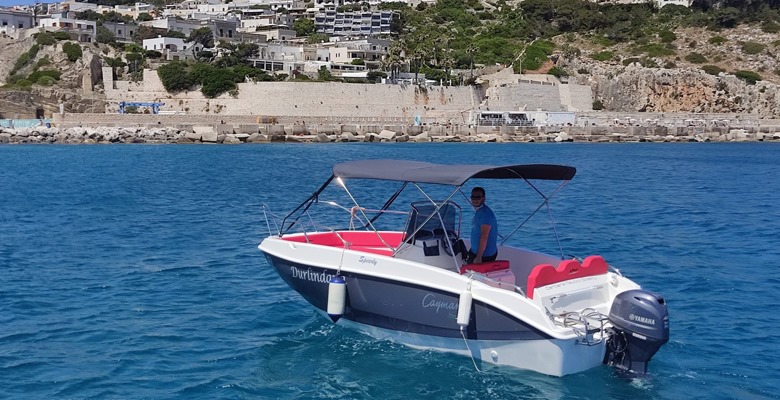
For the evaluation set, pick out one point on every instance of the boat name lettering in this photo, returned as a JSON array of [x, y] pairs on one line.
[[366, 260], [641, 319], [309, 275], [430, 301]]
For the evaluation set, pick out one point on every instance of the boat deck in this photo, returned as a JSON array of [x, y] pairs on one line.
[[384, 243]]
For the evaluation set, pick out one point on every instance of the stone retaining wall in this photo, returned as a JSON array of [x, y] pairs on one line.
[[139, 128], [306, 100]]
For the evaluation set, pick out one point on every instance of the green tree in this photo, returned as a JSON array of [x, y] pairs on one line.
[[45, 38], [104, 35], [146, 32], [303, 27], [175, 34], [89, 15], [204, 36], [175, 76], [60, 35], [727, 17], [134, 60], [324, 74], [144, 17], [214, 80], [72, 51], [116, 64], [133, 48], [317, 38], [237, 53]]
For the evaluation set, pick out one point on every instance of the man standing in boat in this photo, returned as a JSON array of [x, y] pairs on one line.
[[484, 230]]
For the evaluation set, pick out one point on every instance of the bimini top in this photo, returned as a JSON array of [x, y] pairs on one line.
[[456, 174]]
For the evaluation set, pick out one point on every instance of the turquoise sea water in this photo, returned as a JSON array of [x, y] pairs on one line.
[[132, 272]]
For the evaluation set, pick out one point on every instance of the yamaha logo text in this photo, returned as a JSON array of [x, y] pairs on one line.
[[639, 318]]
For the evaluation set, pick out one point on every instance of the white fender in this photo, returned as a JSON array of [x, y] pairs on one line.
[[464, 309], [337, 296]]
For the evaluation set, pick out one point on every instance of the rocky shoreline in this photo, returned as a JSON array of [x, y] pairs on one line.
[[228, 134]]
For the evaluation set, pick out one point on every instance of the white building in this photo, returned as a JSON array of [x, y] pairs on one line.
[[164, 43], [685, 3], [213, 9], [278, 34], [173, 48], [79, 29], [261, 21], [76, 6], [15, 20], [15, 24], [131, 10], [659, 3], [321, 5]]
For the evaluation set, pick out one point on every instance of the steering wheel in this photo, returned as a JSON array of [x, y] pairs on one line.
[[448, 245]]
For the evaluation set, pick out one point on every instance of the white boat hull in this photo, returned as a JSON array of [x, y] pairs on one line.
[[554, 357], [416, 304]]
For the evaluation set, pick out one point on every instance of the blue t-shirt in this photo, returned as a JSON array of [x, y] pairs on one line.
[[484, 216]]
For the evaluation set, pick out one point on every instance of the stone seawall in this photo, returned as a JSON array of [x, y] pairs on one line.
[[306, 100], [590, 127]]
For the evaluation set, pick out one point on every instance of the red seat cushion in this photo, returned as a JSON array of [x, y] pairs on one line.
[[546, 274], [484, 267]]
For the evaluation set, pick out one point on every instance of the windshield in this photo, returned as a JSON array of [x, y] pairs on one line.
[[422, 211]]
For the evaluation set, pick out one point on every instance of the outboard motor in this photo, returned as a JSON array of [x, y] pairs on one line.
[[640, 327]]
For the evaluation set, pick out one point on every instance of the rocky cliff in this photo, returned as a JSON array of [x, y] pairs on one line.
[[74, 90], [683, 86]]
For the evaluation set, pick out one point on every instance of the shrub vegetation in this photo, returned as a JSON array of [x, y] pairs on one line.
[[716, 40], [45, 38], [72, 51], [602, 56], [753, 47], [696, 58], [748, 76], [712, 69]]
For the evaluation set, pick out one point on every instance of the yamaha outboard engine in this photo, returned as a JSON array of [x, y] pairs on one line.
[[640, 327]]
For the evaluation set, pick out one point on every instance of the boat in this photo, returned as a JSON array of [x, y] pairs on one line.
[[555, 314]]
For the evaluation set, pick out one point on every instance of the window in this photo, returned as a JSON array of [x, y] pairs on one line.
[[119, 32], [21, 25]]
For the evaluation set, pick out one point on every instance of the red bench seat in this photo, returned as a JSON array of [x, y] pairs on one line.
[[546, 274], [367, 241]]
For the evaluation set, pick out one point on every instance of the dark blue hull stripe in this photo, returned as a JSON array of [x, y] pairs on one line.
[[403, 307]]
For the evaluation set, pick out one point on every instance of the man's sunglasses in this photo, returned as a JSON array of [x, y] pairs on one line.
[[476, 197]]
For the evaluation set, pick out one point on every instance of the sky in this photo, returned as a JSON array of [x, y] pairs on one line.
[[9, 3]]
